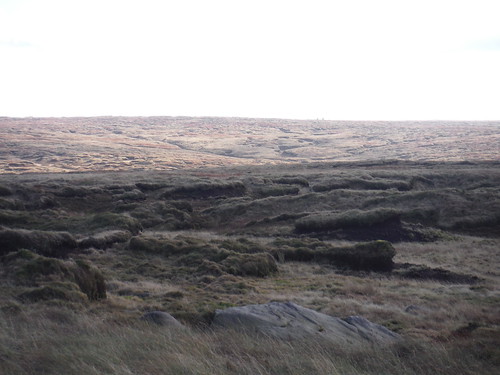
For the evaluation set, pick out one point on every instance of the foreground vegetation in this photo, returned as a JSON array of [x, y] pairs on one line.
[[411, 246], [56, 340]]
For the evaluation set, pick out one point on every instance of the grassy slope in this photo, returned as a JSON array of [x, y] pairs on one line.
[[452, 327]]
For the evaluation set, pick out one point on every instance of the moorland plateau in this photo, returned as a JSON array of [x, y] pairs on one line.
[[105, 219]]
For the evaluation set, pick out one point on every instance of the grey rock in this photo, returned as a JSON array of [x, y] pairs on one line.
[[161, 318], [291, 321], [371, 331]]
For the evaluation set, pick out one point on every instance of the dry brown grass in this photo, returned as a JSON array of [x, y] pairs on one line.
[[168, 143], [450, 327], [473, 255], [54, 341], [420, 308]]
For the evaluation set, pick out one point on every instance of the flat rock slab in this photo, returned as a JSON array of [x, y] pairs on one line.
[[291, 321], [161, 318]]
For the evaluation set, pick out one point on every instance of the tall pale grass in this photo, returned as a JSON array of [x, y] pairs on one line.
[[58, 341]]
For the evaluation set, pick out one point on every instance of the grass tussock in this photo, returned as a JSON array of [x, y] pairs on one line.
[[86, 223], [110, 220], [259, 264], [53, 278], [73, 192], [275, 191], [362, 184], [375, 255], [292, 180], [422, 272], [104, 240], [151, 186], [481, 223], [56, 244], [5, 191], [168, 246], [243, 258], [380, 223], [10, 216], [347, 220], [55, 290], [176, 215], [206, 190]]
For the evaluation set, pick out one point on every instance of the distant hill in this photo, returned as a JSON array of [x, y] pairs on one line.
[[165, 143]]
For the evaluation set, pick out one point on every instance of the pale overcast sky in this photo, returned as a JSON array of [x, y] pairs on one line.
[[346, 60]]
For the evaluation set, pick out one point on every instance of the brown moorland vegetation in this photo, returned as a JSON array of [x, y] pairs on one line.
[[166, 143], [410, 245]]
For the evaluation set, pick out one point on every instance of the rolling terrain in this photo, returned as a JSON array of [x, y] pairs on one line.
[[103, 220], [165, 143]]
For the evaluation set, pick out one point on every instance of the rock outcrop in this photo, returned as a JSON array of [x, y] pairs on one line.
[[291, 321]]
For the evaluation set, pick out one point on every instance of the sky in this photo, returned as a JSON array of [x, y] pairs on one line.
[[310, 59]]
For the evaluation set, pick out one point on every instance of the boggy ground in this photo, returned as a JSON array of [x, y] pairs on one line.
[[412, 246]]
